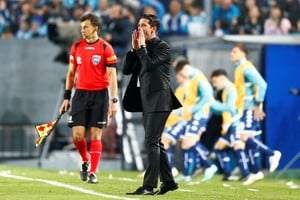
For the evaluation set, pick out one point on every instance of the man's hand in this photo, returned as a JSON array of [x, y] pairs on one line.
[[64, 106], [134, 39], [112, 110], [259, 114], [141, 37]]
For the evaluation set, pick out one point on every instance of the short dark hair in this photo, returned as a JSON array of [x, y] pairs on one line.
[[180, 64], [242, 47], [92, 17], [218, 72], [153, 20]]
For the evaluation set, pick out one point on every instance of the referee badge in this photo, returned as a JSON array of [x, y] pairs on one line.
[[96, 59]]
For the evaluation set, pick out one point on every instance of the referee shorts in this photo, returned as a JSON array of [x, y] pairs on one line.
[[89, 108]]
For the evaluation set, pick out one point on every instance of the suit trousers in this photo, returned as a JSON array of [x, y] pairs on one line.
[[158, 164]]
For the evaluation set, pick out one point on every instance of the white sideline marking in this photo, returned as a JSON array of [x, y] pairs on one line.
[[121, 178], [59, 184], [253, 190], [185, 190]]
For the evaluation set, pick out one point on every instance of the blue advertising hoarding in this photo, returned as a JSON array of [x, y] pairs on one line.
[[282, 73]]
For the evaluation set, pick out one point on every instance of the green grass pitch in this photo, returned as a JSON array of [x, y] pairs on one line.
[[32, 184]]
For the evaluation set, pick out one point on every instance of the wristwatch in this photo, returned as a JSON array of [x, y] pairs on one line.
[[143, 46], [114, 100]]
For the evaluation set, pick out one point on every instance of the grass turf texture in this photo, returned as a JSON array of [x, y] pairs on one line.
[[117, 183]]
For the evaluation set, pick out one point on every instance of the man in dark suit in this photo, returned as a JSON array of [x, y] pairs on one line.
[[149, 92]]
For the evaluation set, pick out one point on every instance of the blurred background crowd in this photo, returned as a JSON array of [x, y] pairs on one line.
[[26, 19]]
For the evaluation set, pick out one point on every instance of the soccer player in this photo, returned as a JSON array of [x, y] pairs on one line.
[[194, 115], [251, 89], [230, 120], [93, 65], [174, 117]]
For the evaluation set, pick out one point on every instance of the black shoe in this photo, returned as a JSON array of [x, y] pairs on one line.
[[141, 191], [166, 187], [92, 178], [84, 171]]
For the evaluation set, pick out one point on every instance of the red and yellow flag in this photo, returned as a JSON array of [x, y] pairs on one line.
[[44, 130]]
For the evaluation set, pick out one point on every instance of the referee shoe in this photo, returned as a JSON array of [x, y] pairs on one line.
[[92, 178], [84, 171]]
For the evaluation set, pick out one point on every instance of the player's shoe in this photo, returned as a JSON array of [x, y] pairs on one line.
[[183, 178], [209, 172], [230, 178], [274, 161], [174, 171], [84, 171], [244, 178], [197, 172], [92, 178], [253, 178]]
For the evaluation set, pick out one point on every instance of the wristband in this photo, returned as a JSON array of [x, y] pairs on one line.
[[114, 100], [67, 94]]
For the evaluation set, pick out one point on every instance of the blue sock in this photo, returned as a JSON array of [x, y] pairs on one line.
[[188, 162], [201, 151], [254, 158], [170, 156], [253, 143], [198, 163], [224, 161], [242, 161]]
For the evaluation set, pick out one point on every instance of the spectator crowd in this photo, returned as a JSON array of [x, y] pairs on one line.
[[26, 19]]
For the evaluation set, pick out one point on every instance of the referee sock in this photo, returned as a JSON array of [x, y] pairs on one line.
[[95, 151], [81, 147]]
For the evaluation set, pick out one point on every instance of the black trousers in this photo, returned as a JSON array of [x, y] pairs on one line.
[[158, 164]]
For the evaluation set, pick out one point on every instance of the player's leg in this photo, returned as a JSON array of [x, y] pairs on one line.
[[250, 128], [166, 141], [167, 144], [242, 159], [246, 131], [224, 159], [193, 146], [191, 137], [254, 162], [169, 138], [188, 141], [188, 164], [255, 147], [253, 155], [210, 169]]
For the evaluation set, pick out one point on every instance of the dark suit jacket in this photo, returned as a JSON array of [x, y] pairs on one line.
[[151, 65]]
